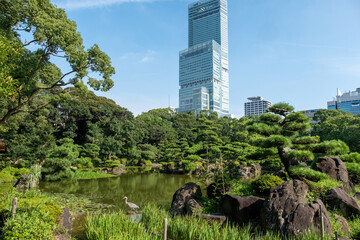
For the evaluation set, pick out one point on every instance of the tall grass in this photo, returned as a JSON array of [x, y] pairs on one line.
[[91, 175], [115, 226], [119, 226], [191, 228], [308, 173]]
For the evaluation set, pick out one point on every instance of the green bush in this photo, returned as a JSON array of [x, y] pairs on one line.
[[16, 172], [189, 166], [244, 188], [355, 228], [147, 163], [28, 226], [351, 157], [337, 226], [6, 177], [113, 163], [265, 182], [354, 171], [36, 217], [320, 188], [83, 162], [123, 161], [193, 158], [308, 173]]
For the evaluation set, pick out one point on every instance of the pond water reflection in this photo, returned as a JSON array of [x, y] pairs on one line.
[[139, 188]]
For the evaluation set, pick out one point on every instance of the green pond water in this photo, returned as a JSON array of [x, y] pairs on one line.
[[140, 189]]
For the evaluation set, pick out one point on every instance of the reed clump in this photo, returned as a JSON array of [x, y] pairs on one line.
[[119, 226]]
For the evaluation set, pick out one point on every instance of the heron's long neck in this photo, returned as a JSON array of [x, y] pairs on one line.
[[125, 200]]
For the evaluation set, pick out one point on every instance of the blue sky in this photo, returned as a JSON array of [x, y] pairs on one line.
[[295, 51]]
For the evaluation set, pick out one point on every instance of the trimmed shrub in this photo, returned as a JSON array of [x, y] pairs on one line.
[[6, 177], [354, 171], [36, 217], [308, 173], [147, 163], [242, 188], [189, 166], [320, 188], [265, 182], [351, 157]]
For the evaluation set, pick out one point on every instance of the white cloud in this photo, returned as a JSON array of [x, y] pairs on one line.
[[145, 59], [78, 4]]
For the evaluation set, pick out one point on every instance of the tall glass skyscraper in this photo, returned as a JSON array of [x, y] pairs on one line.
[[203, 75]]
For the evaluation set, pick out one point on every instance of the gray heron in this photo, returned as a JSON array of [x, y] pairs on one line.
[[131, 205]]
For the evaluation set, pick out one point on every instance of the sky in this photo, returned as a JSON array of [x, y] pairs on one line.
[[294, 51]]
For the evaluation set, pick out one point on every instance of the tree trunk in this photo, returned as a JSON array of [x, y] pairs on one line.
[[285, 161]]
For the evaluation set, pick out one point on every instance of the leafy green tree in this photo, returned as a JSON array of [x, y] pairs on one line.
[[57, 165], [155, 127], [53, 35], [207, 135], [338, 125], [30, 139], [184, 123]]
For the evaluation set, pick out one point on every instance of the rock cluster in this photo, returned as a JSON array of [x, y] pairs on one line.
[[250, 171], [336, 169], [339, 199], [286, 210], [241, 209], [185, 199]]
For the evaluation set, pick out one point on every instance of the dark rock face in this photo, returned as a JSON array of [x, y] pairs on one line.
[[241, 209], [215, 190], [217, 218], [285, 210], [339, 199], [182, 196], [249, 172], [192, 206], [336, 169]]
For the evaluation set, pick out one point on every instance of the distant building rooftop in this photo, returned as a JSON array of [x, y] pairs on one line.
[[258, 98]]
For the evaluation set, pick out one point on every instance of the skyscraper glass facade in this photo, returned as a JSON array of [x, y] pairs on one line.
[[348, 101], [203, 74]]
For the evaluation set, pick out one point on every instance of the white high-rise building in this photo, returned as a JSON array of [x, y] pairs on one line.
[[256, 106], [203, 74]]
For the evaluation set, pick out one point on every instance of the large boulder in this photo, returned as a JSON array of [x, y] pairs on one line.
[[214, 218], [336, 169], [250, 171], [241, 209], [182, 197], [286, 210], [337, 198]]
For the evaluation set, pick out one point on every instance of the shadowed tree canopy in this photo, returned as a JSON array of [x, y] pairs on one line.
[[341, 125], [34, 33]]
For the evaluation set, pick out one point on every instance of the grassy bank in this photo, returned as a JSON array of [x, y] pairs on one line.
[[91, 175], [36, 217], [118, 226]]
